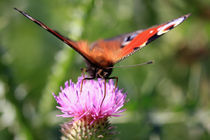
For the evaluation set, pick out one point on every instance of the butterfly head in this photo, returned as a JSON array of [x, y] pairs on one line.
[[99, 72]]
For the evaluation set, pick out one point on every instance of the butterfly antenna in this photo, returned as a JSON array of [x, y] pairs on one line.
[[128, 66]]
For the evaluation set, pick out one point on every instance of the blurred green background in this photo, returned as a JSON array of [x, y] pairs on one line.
[[167, 100]]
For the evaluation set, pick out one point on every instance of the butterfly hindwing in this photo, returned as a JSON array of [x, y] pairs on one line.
[[132, 42]]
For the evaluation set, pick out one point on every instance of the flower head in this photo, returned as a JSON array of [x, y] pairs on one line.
[[89, 109], [89, 103]]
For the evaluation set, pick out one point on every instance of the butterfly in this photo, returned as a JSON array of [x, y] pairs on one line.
[[103, 54]]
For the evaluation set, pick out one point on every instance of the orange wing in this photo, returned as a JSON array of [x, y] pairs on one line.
[[127, 44], [80, 47], [105, 53]]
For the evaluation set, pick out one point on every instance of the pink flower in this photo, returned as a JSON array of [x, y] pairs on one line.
[[88, 103]]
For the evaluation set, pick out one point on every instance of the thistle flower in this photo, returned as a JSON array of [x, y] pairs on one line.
[[89, 111]]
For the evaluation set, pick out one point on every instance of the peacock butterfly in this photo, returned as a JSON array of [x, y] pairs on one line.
[[102, 54]]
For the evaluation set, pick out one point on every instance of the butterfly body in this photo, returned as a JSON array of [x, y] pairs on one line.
[[103, 54], [100, 57]]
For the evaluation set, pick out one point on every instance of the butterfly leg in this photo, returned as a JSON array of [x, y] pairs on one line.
[[104, 92], [91, 78], [83, 74], [116, 78], [83, 70], [116, 82]]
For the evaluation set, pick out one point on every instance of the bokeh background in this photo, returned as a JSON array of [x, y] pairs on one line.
[[167, 100]]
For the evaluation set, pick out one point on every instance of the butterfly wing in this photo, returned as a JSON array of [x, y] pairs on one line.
[[131, 42], [81, 47], [105, 53]]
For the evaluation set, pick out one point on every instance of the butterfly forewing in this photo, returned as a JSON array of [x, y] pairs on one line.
[[81, 47], [138, 40]]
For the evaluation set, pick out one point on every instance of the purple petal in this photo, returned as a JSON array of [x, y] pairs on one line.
[[78, 105]]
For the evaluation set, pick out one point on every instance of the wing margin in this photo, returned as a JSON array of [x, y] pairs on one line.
[[146, 36]]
